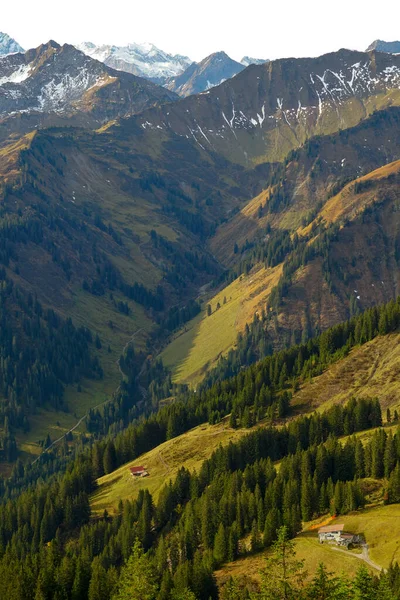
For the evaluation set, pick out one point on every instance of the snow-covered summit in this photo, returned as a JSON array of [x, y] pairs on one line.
[[8, 45], [248, 60], [144, 60]]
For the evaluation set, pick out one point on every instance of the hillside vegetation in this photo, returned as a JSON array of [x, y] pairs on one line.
[[189, 450], [196, 348]]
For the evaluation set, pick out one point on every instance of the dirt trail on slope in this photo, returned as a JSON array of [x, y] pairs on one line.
[[364, 556]]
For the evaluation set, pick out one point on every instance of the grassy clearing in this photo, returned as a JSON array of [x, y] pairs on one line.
[[380, 526], [369, 371], [188, 450], [54, 423], [202, 341], [308, 549]]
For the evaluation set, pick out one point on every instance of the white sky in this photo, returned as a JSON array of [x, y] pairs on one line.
[[257, 28]]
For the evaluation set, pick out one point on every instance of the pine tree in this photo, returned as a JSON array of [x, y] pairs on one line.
[[323, 586], [97, 461], [364, 588], [138, 581], [232, 590], [110, 458], [98, 588], [220, 545], [306, 498], [233, 542], [255, 540], [389, 456], [384, 591], [283, 575], [207, 523], [272, 524]]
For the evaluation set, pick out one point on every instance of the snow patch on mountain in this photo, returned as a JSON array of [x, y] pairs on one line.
[[66, 88], [323, 89], [19, 75]]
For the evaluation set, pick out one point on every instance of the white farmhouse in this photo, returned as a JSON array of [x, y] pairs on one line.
[[331, 533]]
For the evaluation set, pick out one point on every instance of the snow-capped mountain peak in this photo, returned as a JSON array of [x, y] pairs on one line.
[[8, 45], [144, 60], [248, 60]]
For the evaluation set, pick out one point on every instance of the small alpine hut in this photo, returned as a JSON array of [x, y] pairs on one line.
[[138, 472], [331, 533]]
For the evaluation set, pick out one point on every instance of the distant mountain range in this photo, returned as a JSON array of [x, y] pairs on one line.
[[143, 60], [381, 46], [178, 73], [8, 45]]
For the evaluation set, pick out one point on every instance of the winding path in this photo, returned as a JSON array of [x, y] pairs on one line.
[[141, 388]]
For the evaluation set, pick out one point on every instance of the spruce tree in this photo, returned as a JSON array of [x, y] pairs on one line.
[[138, 581], [109, 458], [283, 575], [220, 545]]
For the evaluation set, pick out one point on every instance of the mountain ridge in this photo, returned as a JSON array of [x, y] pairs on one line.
[[143, 60], [267, 110], [382, 46], [8, 45], [210, 72], [54, 85]]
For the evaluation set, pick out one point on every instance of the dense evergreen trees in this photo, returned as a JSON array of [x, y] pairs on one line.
[[201, 519], [40, 353]]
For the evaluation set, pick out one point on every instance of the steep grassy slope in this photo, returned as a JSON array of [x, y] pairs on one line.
[[196, 348], [369, 371], [188, 450], [307, 548], [346, 217]]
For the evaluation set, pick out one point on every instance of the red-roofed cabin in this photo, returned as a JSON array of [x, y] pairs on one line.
[[138, 472]]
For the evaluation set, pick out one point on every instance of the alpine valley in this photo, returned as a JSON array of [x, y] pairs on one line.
[[199, 324]]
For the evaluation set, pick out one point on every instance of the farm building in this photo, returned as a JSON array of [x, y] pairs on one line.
[[331, 533], [336, 534], [138, 472]]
